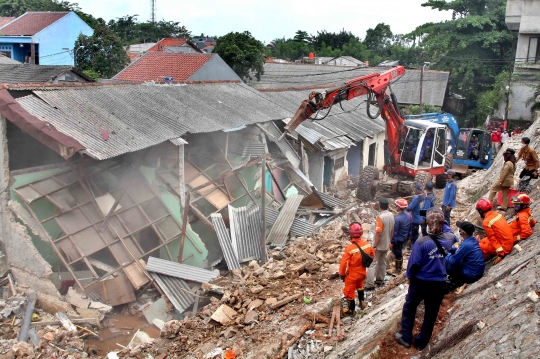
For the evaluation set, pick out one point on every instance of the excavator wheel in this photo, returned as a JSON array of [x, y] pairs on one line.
[[440, 180], [367, 185], [448, 162], [422, 177]]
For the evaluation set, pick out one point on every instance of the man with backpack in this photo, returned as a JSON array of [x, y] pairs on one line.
[[353, 267], [429, 202]]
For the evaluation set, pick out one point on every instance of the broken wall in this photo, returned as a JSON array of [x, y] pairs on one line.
[[28, 267], [378, 140]]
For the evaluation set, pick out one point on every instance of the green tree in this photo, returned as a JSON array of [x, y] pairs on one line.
[[379, 39], [475, 47], [131, 31], [302, 36], [102, 52], [242, 52]]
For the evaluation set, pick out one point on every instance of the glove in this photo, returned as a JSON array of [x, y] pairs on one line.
[[499, 258], [342, 277]]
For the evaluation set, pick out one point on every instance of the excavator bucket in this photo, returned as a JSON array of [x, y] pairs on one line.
[[302, 114], [460, 168]]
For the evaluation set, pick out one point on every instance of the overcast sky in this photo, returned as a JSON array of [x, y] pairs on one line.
[[271, 19]]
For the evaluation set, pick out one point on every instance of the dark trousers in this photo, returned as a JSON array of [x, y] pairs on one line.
[[457, 278], [528, 173], [397, 249], [414, 233], [424, 229], [446, 213], [432, 293]]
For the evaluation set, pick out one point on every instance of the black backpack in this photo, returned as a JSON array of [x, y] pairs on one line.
[[366, 258]]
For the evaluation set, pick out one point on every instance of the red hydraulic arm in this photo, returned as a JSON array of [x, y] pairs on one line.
[[375, 84]]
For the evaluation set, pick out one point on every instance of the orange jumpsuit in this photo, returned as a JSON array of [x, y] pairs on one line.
[[499, 240], [351, 267], [522, 225]]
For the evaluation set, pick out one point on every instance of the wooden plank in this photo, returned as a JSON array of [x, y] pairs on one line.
[[114, 291], [135, 274]]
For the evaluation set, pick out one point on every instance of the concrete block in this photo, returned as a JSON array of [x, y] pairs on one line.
[[75, 299], [224, 315], [158, 310]]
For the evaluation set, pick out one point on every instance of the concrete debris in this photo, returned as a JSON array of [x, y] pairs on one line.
[[532, 296], [101, 307], [76, 299], [157, 309], [224, 315]]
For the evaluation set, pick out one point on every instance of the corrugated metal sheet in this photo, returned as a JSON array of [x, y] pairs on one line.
[[280, 230], [245, 228], [299, 228], [225, 241], [290, 76], [179, 141], [140, 116], [273, 133], [254, 150], [176, 290], [177, 270], [330, 201]]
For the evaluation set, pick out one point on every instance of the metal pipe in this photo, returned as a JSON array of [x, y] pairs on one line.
[[263, 211], [23, 334]]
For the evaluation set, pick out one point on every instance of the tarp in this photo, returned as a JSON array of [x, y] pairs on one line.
[[42, 131]]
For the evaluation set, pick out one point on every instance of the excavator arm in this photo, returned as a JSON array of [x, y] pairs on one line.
[[374, 84]]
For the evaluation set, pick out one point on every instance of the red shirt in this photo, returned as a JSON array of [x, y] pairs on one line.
[[496, 137]]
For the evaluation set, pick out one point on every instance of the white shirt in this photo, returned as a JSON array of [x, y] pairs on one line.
[[504, 137]]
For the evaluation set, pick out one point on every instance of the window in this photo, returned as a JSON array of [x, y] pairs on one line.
[[339, 163], [371, 155], [534, 50]]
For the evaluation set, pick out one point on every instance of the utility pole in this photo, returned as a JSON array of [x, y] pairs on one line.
[[421, 78], [153, 14]]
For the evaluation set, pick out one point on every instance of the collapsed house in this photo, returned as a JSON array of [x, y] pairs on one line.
[[111, 188]]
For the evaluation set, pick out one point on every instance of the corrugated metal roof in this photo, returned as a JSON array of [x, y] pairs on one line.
[[299, 228], [179, 141], [406, 88], [225, 241], [254, 150], [140, 116], [177, 291], [17, 73], [274, 134], [280, 230], [177, 270], [245, 223], [330, 201]]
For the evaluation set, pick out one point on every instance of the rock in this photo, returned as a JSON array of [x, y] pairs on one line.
[[313, 266], [333, 271], [237, 273], [255, 304], [102, 308], [226, 296], [158, 323], [532, 296], [279, 275], [303, 276], [91, 313], [254, 265], [259, 271], [224, 315], [229, 332], [287, 313], [75, 299], [48, 336], [251, 317], [327, 348], [257, 289], [480, 325], [207, 287], [246, 271], [297, 267], [270, 301]]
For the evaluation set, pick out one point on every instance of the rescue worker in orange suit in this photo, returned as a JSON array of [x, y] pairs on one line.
[[499, 241], [524, 222], [351, 269]]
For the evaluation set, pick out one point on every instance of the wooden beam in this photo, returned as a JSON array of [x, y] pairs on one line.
[[184, 228], [275, 181]]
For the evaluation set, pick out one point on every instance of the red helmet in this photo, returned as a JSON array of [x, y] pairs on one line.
[[402, 203], [355, 230], [521, 198], [484, 204]]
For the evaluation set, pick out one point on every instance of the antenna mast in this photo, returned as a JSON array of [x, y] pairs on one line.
[[153, 14]]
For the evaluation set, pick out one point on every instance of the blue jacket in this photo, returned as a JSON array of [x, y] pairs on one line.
[[414, 208], [429, 201], [450, 192], [469, 258], [446, 229], [426, 262], [402, 227]]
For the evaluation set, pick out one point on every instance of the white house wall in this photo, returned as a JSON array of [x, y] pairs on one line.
[[379, 151]]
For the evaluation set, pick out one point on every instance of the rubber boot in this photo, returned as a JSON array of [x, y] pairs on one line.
[[399, 265], [350, 310], [361, 299]]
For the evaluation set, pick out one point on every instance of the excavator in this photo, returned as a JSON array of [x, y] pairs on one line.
[[415, 150]]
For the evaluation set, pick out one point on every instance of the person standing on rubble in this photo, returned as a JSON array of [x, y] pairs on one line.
[[523, 224], [383, 235], [450, 193], [402, 228], [506, 179], [352, 269], [426, 271], [465, 265], [429, 202], [499, 240], [504, 137], [495, 141], [528, 154], [414, 208]]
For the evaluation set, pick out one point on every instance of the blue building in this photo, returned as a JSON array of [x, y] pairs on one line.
[[42, 38]]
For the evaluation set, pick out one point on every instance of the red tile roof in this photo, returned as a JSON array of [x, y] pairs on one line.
[[5, 20], [31, 23], [158, 65], [170, 42]]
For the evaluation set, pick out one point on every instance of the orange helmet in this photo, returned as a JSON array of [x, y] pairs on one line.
[[402, 203], [484, 204], [356, 230], [521, 198]]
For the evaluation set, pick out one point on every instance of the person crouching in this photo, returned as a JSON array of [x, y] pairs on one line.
[[522, 226], [352, 270]]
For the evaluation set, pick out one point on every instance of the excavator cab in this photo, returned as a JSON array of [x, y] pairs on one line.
[[473, 150], [424, 146]]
